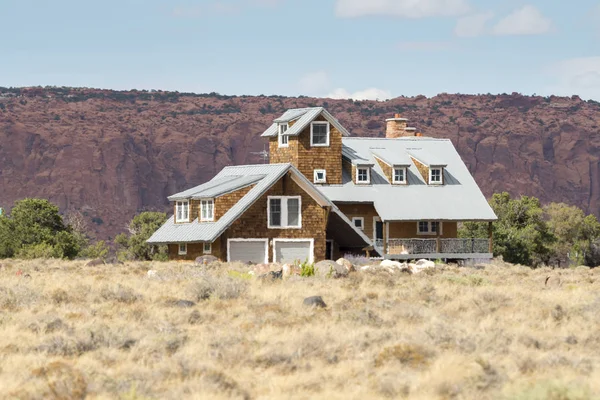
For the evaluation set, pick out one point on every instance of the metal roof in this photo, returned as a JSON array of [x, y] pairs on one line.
[[459, 199], [217, 187], [354, 158], [390, 157], [304, 117]]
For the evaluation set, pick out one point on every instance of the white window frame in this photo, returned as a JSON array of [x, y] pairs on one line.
[[368, 181], [284, 212], [431, 182], [429, 231], [311, 255], [362, 222], [397, 182], [204, 250], [185, 209], [312, 124], [316, 179], [208, 218], [184, 251], [280, 133]]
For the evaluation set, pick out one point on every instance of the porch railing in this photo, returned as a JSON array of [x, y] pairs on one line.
[[431, 246]]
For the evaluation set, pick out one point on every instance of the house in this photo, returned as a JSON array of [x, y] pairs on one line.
[[326, 193]]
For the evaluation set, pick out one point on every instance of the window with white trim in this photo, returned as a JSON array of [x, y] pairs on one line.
[[320, 176], [429, 227], [319, 133], [363, 175], [182, 249], [207, 248], [399, 175], [359, 222], [284, 212], [435, 176], [283, 139], [207, 210], [182, 211]]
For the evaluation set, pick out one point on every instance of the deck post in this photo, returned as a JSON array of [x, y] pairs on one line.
[[491, 236], [385, 238], [438, 243]]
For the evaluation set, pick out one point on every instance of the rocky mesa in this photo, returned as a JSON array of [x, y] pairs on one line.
[[111, 154]]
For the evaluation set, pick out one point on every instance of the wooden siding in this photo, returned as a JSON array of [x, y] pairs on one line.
[[253, 223], [388, 171], [279, 155], [408, 230], [194, 250], [225, 202], [366, 211], [423, 169]]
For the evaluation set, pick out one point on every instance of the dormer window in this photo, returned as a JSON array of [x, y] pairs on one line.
[[363, 175], [435, 176], [399, 176], [207, 210], [182, 211], [283, 139], [320, 176], [319, 134]]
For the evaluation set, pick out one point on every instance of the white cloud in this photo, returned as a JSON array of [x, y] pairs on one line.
[[577, 76], [400, 8], [527, 20], [367, 94], [314, 84], [473, 25]]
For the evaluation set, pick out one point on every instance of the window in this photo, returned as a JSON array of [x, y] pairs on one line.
[[182, 249], [435, 176], [207, 248], [399, 175], [182, 211], [359, 222], [283, 139], [319, 134], [362, 175], [207, 210], [284, 212], [429, 227], [320, 176]]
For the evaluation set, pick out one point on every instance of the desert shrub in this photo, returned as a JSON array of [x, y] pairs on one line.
[[217, 287], [97, 250], [119, 293], [307, 269], [411, 355], [134, 245], [551, 391]]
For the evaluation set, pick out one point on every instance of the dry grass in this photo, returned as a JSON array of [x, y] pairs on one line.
[[111, 332]]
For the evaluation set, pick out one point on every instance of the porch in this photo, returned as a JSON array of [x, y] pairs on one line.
[[408, 249]]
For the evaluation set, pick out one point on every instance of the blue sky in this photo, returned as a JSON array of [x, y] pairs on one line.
[[336, 48]]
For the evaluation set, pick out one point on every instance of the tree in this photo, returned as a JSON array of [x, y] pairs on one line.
[[33, 227], [521, 235], [141, 227]]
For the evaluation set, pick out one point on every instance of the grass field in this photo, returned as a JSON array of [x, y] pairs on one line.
[[501, 332]]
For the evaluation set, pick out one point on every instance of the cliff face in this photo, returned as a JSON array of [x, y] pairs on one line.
[[112, 154]]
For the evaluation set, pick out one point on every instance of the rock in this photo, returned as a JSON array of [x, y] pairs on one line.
[[329, 269], [392, 264], [183, 303], [420, 266], [205, 260], [347, 264], [152, 273], [314, 301], [95, 262], [286, 270], [272, 275]]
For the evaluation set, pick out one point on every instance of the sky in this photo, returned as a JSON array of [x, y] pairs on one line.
[[361, 49]]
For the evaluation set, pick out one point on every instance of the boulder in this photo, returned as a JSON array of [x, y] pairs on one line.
[[314, 301], [420, 266], [183, 303], [95, 262], [206, 259], [392, 264], [272, 275], [347, 264], [330, 269], [152, 273]]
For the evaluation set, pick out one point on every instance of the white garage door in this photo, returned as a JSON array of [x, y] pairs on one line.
[[291, 251], [248, 251]]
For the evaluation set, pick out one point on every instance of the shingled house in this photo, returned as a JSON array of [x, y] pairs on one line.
[[326, 193]]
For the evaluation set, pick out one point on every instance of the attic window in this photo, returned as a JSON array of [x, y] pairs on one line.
[[435, 176], [319, 133], [207, 210], [283, 139], [182, 211], [363, 175], [399, 175], [359, 222], [320, 176]]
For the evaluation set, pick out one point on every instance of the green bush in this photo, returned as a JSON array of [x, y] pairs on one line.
[[307, 269], [134, 245], [97, 250], [40, 250]]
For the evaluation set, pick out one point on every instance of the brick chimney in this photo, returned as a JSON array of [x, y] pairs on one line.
[[396, 127]]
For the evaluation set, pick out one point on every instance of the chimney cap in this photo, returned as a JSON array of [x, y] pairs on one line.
[[396, 119], [411, 129]]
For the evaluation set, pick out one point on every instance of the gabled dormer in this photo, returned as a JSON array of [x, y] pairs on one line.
[[311, 140], [393, 164], [431, 170]]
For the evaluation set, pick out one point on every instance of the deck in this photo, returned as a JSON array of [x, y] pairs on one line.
[[438, 248]]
